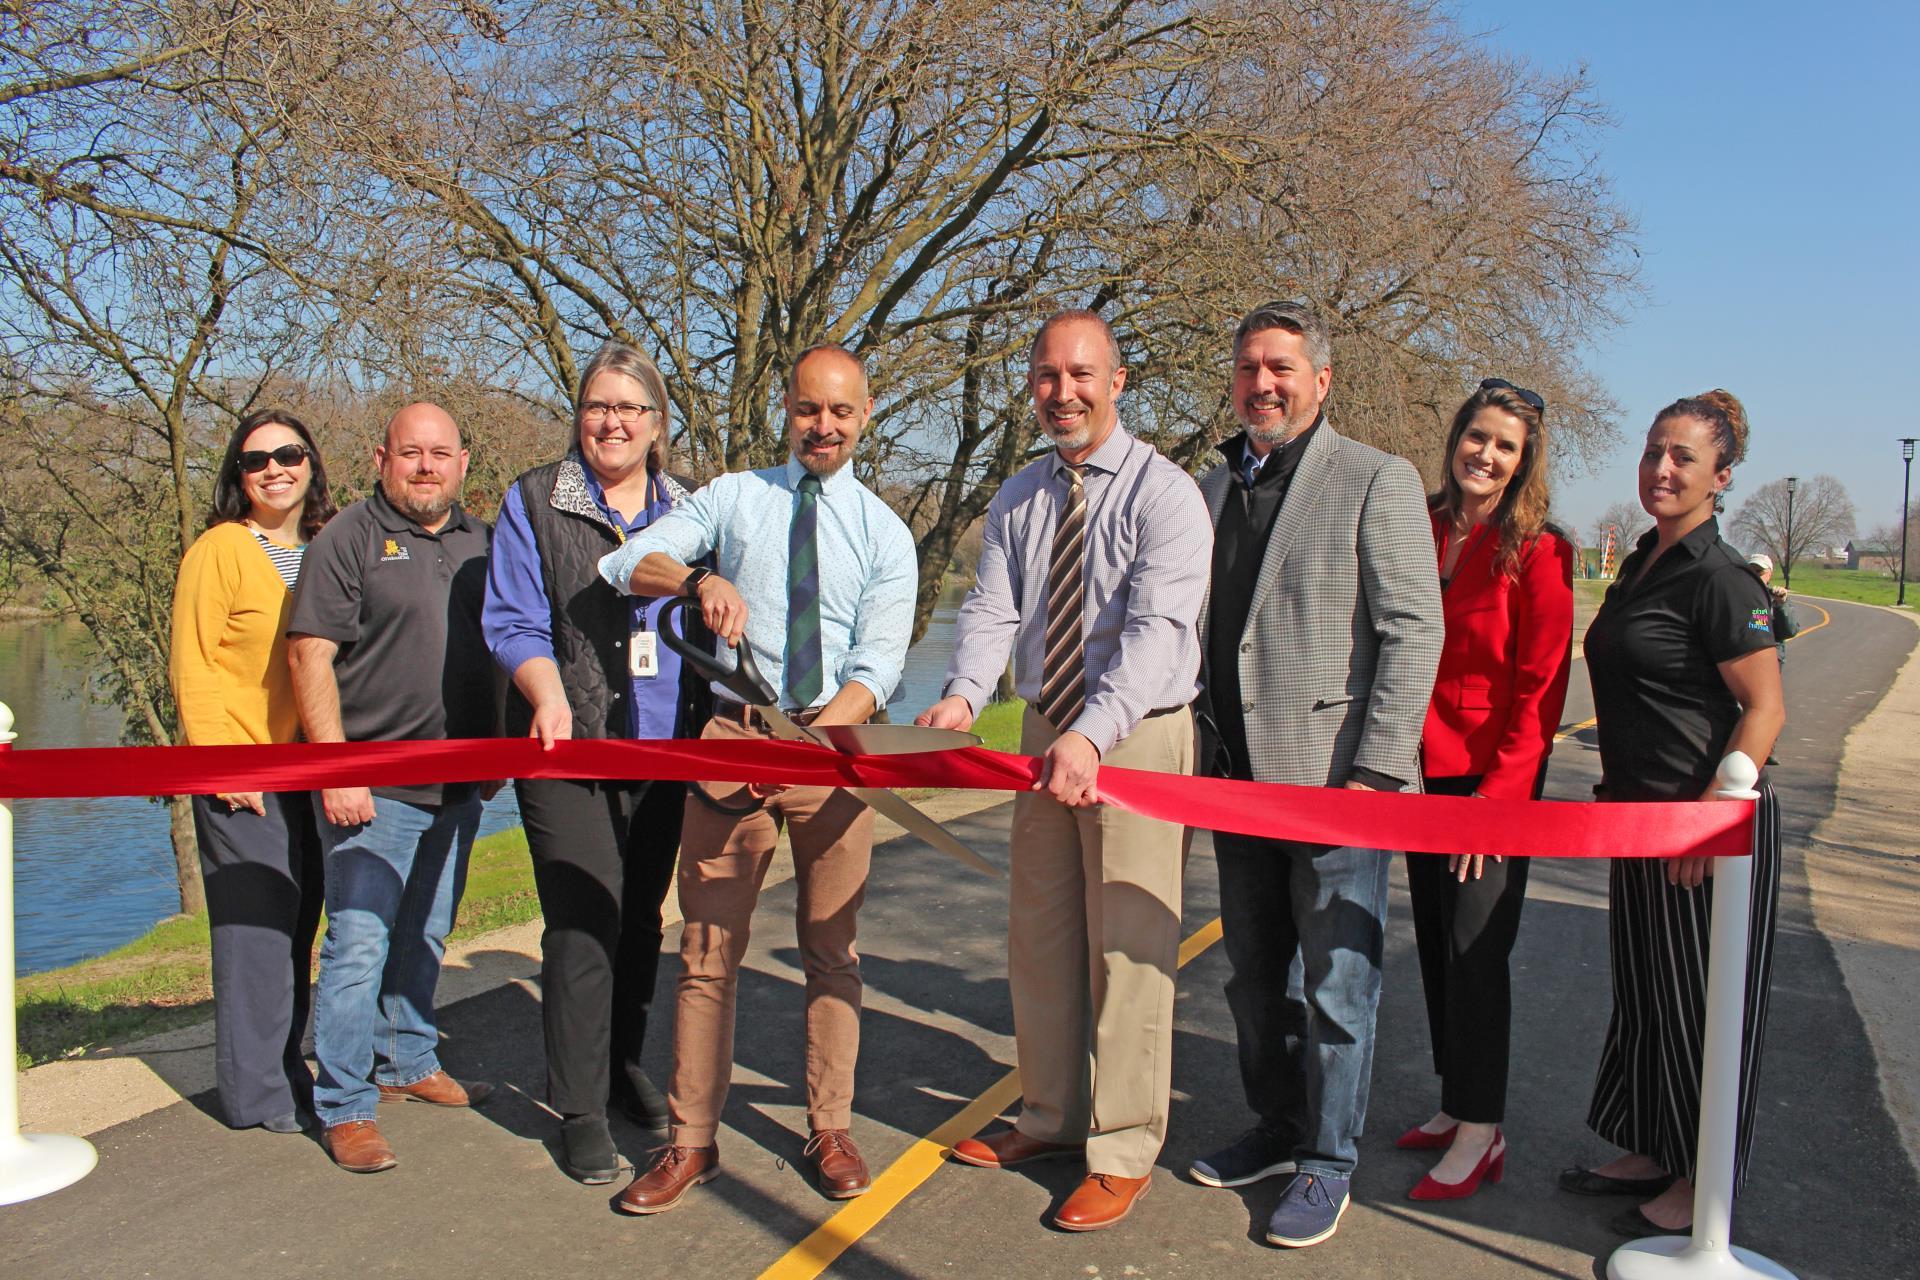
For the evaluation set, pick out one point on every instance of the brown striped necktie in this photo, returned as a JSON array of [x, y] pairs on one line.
[[1063, 682]]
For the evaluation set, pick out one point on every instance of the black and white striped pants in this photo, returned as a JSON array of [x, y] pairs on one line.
[[1646, 1094]]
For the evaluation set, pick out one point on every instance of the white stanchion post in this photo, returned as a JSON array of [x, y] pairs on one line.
[[1711, 1252], [31, 1164]]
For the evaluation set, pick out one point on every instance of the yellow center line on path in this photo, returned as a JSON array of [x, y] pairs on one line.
[[1572, 729], [921, 1161], [1825, 618], [925, 1157]]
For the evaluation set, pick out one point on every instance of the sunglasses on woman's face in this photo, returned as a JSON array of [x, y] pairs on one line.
[[287, 455], [1501, 384]]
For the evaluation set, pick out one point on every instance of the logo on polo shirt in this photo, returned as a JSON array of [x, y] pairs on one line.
[[393, 551], [1760, 620]]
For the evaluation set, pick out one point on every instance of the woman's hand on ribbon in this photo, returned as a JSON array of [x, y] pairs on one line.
[[552, 722]]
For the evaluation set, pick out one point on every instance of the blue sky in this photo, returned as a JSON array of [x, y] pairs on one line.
[[1771, 154]]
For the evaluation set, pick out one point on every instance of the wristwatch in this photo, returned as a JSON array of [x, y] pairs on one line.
[[692, 584]]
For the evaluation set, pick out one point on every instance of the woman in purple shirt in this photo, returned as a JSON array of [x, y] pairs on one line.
[[586, 663]]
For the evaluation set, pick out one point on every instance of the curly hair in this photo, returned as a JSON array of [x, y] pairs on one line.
[[1725, 417]]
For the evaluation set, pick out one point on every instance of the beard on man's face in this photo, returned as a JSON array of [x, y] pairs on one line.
[[423, 510]]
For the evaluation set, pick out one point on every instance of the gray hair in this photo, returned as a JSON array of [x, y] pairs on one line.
[[618, 357], [851, 357], [1296, 317]]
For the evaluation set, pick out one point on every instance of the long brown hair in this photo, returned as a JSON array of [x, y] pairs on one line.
[[1522, 514], [229, 493]]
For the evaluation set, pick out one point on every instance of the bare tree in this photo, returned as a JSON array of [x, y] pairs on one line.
[[923, 179], [153, 249], [1888, 536], [1822, 517]]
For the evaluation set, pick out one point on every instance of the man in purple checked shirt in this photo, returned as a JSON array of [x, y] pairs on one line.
[[1092, 573]]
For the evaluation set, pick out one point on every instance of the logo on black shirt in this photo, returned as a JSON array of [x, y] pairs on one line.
[[393, 551]]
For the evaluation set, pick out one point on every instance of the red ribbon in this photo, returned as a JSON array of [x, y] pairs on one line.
[[1314, 815]]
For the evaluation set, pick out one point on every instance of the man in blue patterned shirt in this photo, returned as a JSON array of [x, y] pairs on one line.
[[818, 575]]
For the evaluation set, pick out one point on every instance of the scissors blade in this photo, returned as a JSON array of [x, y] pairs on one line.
[[891, 739], [892, 806], [885, 802]]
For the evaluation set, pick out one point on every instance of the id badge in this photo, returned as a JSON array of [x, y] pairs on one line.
[[643, 658]]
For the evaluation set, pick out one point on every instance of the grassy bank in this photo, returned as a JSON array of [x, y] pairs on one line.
[[1858, 585], [1849, 584], [161, 980]]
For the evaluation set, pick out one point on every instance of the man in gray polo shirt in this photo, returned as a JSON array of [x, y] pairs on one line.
[[386, 646]]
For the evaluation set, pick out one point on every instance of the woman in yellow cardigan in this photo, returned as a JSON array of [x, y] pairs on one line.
[[259, 853]]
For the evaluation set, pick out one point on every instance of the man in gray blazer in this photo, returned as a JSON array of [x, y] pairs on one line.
[[1321, 634]]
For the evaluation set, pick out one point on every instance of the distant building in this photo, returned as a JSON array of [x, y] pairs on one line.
[[1874, 557]]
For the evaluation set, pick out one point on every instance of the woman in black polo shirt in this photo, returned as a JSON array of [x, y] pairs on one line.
[[1681, 659]]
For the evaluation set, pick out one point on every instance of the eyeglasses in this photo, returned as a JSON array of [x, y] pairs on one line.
[[287, 455], [630, 415], [1501, 384]]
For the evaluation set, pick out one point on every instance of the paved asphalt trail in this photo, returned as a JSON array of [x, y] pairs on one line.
[[477, 1194]]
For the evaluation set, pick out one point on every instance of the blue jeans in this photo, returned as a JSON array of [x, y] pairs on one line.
[[1304, 927], [393, 886]]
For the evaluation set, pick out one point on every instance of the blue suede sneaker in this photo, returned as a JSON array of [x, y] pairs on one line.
[[1309, 1211], [1258, 1153]]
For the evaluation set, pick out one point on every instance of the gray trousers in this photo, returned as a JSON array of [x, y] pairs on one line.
[[264, 893]]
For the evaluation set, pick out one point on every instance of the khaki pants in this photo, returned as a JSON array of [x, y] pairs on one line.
[[723, 861], [1093, 943]]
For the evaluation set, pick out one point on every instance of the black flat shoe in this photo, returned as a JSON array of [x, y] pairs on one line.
[[587, 1153], [1635, 1225], [1585, 1182]]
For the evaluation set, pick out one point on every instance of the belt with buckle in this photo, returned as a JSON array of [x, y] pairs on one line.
[[749, 717]]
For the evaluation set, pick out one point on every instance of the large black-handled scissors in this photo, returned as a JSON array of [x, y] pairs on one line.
[[744, 681]]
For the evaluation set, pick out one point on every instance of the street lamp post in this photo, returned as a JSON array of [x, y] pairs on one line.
[[1786, 569], [1906, 456]]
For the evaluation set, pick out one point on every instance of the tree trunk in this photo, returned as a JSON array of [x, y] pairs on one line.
[[186, 854]]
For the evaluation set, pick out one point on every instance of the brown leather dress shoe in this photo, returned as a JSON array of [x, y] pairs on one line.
[[441, 1089], [673, 1171], [1101, 1200], [839, 1170], [1011, 1147], [357, 1147]]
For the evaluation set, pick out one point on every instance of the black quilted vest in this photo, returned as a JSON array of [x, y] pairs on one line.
[[590, 619]]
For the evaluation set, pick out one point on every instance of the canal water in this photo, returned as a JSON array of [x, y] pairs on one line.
[[92, 874]]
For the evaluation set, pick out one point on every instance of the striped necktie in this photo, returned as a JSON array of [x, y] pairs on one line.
[[803, 597], [1063, 681]]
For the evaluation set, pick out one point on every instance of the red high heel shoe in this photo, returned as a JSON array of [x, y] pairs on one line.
[[1493, 1164], [1418, 1139]]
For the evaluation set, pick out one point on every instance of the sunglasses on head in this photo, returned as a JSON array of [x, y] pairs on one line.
[[1501, 384], [287, 455]]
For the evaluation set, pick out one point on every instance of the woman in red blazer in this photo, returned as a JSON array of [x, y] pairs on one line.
[[1506, 581]]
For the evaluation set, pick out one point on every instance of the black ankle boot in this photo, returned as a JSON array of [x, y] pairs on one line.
[[586, 1150]]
